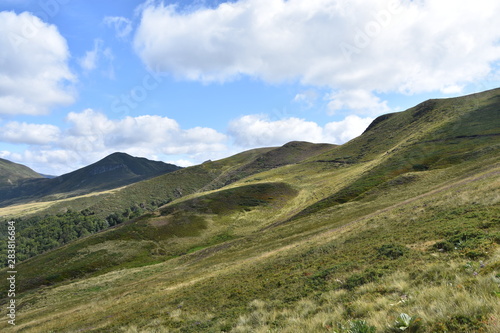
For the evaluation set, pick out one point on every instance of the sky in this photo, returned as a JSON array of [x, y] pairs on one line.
[[187, 81]]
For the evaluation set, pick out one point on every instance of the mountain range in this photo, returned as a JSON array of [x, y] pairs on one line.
[[395, 230], [115, 170]]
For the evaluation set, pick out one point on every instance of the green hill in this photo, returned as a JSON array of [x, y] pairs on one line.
[[291, 153], [397, 230], [11, 173]]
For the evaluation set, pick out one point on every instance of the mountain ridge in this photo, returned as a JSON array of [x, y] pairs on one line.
[[113, 171], [11, 173]]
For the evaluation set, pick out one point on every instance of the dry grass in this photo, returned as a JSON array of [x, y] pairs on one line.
[[36, 207], [465, 295]]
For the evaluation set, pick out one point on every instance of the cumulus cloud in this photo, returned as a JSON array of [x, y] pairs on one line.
[[342, 131], [377, 46], [46, 161], [93, 131], [23, 133], [34, 72], [259, 131], [358, 100], [91, 135]]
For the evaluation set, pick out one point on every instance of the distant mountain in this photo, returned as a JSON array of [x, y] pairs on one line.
[[47, 176], [11, 173], [115, 170]]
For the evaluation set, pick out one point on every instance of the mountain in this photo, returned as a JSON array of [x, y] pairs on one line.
[[11, 173], [115, 170], [162, 189], [396, 230]]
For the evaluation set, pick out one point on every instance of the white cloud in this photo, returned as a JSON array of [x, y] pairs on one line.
[[377, 46], [34, 72], [90, 136], [46, 161], [361, 101], [347, 129], [181, 163], [307, 98], [15, 132], [92, 131], [259, 131], [122, 25], [91, 60]]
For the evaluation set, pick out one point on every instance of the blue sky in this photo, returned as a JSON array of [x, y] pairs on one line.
[[188, 81]]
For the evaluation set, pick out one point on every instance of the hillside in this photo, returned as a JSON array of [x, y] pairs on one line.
[[290, 153], [11, 173], [165, 188], [80, 216], [404, 219], [113, 171]]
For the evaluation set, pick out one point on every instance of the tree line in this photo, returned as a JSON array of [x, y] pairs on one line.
[[38, 234]]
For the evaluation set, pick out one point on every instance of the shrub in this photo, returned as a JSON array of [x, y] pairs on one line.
[[392, 251], [359, 279], [472, 244], [444, 246], [420, 167], [460, 323]]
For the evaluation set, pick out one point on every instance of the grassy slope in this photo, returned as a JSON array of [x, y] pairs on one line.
[[209, 175], [364, 231], [161, 189], [11, 173], [291, 153]]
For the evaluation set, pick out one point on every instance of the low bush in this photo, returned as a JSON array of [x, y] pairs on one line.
[[392, 251]]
